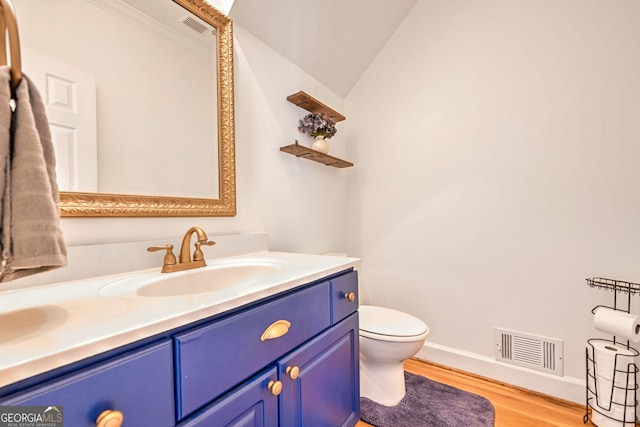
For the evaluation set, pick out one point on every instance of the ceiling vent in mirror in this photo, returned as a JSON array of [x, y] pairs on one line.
[[194, 24]]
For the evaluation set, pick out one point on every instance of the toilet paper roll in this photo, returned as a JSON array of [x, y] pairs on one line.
[[605, 354], [617, 323], [611, 364], [602, 421], [615, 397]]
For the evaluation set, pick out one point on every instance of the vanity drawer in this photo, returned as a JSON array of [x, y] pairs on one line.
[[212, 359], [139, 385], [344, 296]]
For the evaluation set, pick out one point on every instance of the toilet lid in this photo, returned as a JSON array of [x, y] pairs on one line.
[[386, 321]]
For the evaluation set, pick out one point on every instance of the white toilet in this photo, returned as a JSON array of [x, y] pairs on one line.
[[387, 338]]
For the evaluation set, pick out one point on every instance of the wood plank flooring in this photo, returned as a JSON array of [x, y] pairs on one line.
[[514, 407]]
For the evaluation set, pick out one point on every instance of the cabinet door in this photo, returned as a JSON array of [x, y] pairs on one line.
[[138, 384], [326, 390], [251, 405]]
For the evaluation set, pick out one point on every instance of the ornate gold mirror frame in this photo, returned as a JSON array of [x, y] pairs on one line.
[[75, 204]]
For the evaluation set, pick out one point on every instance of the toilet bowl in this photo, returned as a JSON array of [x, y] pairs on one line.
[[387, 338]]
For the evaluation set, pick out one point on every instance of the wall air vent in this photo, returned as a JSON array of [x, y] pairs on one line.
[[194, 24], [529, 351]]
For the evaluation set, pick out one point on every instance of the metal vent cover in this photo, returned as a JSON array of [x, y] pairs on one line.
[[194, 24], [529, 351]]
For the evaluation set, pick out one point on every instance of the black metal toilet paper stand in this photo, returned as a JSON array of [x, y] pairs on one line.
[[623, 372]]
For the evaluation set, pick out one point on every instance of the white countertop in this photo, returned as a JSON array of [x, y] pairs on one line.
[[51, 326]]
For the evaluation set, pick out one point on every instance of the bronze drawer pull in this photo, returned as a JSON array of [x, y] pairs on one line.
[[109, 418], [276, 330], [275, 387], [293, 372], [351, 296]]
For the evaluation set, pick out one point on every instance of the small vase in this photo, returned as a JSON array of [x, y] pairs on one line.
[[320, 144]]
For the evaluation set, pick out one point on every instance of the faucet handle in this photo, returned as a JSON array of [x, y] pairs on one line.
[[197, 254], [169, 257]]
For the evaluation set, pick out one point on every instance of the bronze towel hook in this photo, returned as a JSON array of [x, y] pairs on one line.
[[9, 25]]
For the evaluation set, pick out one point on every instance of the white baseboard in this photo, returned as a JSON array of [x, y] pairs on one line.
[[567, 388]]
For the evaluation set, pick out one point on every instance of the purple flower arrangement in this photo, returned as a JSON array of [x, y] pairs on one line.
[[315, 124]]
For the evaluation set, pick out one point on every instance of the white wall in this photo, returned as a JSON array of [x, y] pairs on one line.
[[301, 204], [496, 146]]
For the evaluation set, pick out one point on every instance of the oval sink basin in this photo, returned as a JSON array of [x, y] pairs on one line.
[[37, 321], [196, 281], [24, 323], [202, 281]]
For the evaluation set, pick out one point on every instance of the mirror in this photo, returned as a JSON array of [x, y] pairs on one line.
[[194, 187]]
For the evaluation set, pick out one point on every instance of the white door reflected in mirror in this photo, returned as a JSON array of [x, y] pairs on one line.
[[69, 96]]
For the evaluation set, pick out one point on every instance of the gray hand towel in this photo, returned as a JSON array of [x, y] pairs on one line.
[[32, 241], [5, 154]]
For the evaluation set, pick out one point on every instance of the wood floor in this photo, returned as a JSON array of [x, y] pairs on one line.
[[514, 407]]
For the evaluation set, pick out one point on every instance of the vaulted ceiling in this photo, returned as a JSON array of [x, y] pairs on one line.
[[332, 40]]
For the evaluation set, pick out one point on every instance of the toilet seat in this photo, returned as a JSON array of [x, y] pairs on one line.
[[386, 324]]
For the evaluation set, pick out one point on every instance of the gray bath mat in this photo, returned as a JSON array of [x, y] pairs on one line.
[[430, 404]]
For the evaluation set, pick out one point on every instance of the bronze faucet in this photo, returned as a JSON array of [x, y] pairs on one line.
[[185, 262]]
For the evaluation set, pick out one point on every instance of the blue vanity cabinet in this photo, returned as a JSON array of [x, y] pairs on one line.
[[138, 384], [320, 381], [310, 373], [289, 360], [318, 387]]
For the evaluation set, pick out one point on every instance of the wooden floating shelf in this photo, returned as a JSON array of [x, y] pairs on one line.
[[309, 103], [302, 151]]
